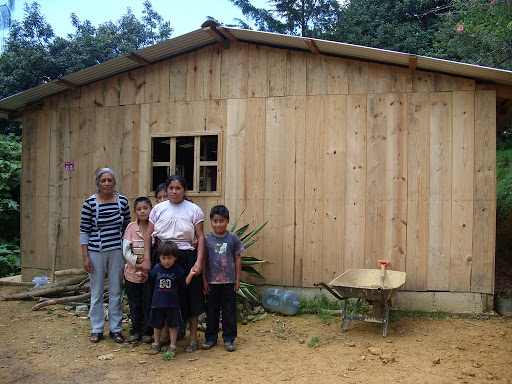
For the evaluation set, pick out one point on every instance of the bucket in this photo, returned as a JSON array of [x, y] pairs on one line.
[[504, 306]]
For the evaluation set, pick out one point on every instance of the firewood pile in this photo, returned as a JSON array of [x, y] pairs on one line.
[[72, 286]]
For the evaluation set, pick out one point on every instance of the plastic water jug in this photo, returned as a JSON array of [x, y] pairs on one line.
[[279, 300]]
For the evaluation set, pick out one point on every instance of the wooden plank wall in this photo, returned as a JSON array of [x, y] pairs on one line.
[[349, 161]]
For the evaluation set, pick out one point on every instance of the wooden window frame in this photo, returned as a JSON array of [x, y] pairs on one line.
[[198, 163]]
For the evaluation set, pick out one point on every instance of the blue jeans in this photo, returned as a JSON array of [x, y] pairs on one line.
[[111, 263]]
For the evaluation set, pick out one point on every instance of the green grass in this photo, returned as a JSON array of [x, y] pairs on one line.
[[322, 302], [421, 315], [314, 341], [168, 356]]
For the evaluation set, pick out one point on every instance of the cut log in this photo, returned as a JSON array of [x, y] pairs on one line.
[[16, 283], [70, 272], [66, 299], [45, 291]]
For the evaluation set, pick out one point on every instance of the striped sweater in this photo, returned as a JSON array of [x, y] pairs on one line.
[[102, 226]]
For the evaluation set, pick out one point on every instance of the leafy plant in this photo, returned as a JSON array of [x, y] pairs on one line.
[[504, 174], [168, 356], [9, 258], [247, 290]]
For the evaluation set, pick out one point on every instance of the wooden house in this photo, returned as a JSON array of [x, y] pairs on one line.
[[352, 154]]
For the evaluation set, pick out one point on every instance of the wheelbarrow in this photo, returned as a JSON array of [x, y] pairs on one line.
[[373, 285]]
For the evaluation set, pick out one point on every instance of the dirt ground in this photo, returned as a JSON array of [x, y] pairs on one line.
[[51, 345]]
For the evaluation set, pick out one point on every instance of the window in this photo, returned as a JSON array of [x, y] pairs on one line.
[[195, 157]]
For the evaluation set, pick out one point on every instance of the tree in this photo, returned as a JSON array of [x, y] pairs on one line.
[[34, 55], [5, 19], [404, 26], [477, 32], [294, 17]]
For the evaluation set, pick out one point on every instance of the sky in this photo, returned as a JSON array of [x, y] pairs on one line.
[[185, 15]]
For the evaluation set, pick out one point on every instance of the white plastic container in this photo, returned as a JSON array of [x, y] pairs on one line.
[[279, 300]]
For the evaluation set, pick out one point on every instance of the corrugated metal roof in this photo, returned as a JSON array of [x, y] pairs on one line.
[[204, 37]]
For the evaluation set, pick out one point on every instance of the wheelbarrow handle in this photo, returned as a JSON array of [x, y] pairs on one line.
[[332, 291]]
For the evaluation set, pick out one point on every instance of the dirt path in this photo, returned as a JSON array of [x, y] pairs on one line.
[[51, 346]]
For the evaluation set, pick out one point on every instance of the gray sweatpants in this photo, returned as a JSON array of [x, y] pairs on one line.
[[111, 263]]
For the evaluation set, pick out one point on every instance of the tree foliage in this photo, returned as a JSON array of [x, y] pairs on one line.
[[10, 179], [476, 32], [34, 55], [405, 26], [294, 17]]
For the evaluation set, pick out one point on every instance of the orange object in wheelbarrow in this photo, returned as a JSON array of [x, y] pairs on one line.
[[366, 284]]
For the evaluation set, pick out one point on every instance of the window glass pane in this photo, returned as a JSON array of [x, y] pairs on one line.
[[185, 159], [161, 149], [208, 178], [160, 175], [209, 148]]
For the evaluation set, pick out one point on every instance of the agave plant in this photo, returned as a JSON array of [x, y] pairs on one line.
[[247, 290]]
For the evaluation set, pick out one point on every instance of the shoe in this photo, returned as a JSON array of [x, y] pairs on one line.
[[134, 338], [172, 349], [117, 336], [191, 348], [154, 348], [95, 337], [147, 339], [208, 344], [230, 347]]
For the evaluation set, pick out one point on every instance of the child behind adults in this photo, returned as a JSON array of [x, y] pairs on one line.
[[221, 279], [133, 252], [168, 279]]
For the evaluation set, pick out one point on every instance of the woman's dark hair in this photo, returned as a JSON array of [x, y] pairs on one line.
[[142, 199], [168, 248], [180, 180], [161, 187], [220, 210]]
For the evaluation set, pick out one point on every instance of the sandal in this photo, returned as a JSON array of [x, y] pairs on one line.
[[117, 336], [191, 348], [95, 337]]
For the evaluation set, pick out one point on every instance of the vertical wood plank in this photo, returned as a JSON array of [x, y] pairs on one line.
[[195, 75], [275, 163], [65, 259], [484, 216], [238, 73], [161, 82], [178, 78], [337, 76], [314, 188], [212, 71], [316, 74], [254, 160], [277, 72], [258, 71], [101, 138], [418, 190], [116, 143], [216, 115], [401, 80], [42, 191], [395, 242], [144, 166], [112, 93], [440, 210], [334, 187], [375, 218], [355, 178], [28, 184], [296, 117], [234, 140], [462, 190], [296, 73], [423, 82], [380, 78], [358, 77]]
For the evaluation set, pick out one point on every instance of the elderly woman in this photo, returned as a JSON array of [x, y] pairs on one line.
[[105, 216]]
